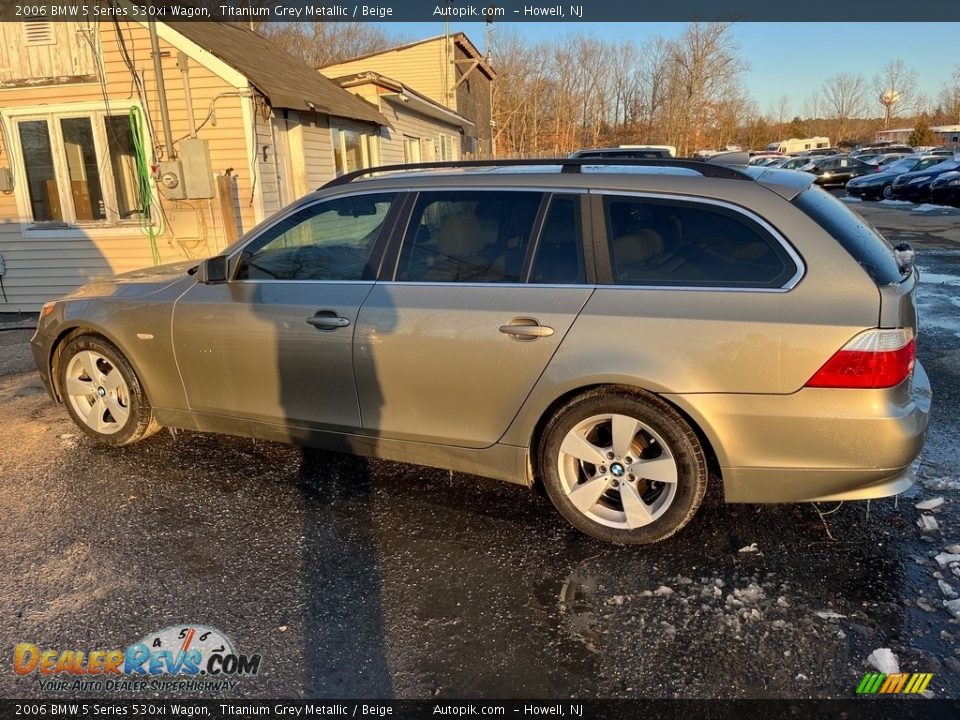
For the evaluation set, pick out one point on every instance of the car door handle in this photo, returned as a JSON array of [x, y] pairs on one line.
[[526, 329], [327, 320]]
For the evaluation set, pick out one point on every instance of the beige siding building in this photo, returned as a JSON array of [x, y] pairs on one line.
[[73, 169], [421, 130], [449, 70]]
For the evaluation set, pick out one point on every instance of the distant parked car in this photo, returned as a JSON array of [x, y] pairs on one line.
[[915, 186], [764, 158], [832, 170], [886, 159], [877, 148], [627, 152], [945, 190], [795, 163], [822, 152], [877, 185]]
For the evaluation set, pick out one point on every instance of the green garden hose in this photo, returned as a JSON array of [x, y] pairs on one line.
[[144, 182]]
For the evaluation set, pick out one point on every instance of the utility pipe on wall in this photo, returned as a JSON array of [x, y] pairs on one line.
[[161, 90]]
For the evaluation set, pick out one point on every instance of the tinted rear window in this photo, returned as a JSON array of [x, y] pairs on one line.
[[856, 236], [673, 243]]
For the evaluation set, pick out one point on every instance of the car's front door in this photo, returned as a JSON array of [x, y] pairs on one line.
[[486, 284], [274, 344]]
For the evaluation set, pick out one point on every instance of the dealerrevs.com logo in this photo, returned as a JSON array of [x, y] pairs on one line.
[[182, 657]]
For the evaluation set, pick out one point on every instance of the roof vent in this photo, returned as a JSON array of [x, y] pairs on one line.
[[38, 32]]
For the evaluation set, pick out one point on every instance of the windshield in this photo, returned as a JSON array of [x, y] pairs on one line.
[[946, 165], [902, 166]]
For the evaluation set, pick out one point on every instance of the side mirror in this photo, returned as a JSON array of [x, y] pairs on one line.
[[213, 270]]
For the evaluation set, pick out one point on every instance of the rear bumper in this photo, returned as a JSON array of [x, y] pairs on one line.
[[40, 347], [816, 444]]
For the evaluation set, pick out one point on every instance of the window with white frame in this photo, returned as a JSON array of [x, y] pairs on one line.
[[353, 149], [448, 149], [79, 168], [411, 149]]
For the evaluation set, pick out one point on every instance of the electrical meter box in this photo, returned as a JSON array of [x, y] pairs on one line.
[[197, 170], [190, 176]]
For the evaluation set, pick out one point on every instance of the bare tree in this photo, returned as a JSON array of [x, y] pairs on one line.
[[325, 43], [950, 96], [845, 96], [895, 89]]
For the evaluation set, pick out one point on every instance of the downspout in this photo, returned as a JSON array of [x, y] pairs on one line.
[[183, 62], [161, 89]]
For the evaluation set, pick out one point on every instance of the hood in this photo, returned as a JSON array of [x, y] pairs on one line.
[[135, 283]]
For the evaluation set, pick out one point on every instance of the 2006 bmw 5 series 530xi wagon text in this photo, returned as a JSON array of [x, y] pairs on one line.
[[617, 331]]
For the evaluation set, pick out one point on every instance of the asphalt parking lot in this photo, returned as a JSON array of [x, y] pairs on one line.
[[376, 579]]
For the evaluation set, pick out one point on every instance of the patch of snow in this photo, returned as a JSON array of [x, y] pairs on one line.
[[947, 589], [929, 504], [953, 607], [851, 198], [939, 278], [663, 591], [884, 660], [929, 207], [752, 547], [829, 615], [927, 523], [953, 549], [895, 202], [944, 559]]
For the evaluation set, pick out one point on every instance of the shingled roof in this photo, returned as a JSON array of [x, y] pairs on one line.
[[285, 80]]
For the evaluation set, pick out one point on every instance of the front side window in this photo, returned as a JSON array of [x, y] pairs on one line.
[[661, 242], [330, 240], [468, 237], [79, 169]]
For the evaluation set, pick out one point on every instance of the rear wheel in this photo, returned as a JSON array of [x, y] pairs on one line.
[[103, 393], [623, 467]]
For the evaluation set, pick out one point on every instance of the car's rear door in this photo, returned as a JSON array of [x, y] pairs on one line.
[[483, 287], [274, 344]]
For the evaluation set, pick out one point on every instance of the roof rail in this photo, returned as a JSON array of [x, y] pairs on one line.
[[567, 165]]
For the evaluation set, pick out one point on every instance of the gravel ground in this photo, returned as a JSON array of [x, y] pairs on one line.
[[366, 579]]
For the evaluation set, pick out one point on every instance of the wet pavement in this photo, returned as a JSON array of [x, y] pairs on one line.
[[376, 579]]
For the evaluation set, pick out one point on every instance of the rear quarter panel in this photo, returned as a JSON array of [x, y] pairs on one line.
[[715, 341]]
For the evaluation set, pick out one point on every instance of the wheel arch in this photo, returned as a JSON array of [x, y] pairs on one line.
[[536, 436], [75, 330]]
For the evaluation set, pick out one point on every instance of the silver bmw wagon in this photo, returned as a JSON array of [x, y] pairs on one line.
[[620, 332]]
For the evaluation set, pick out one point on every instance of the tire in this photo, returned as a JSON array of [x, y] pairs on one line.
[[654, 450], [888, 192], [102, 393]]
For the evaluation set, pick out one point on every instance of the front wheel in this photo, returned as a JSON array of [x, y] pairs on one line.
[[623, 466], [888, 192], [103, 393]]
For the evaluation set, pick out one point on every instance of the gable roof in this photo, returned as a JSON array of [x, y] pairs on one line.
[[285, 80], [459, 38], [406, 96]]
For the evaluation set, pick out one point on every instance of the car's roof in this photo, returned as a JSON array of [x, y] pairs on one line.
[[681, 178]]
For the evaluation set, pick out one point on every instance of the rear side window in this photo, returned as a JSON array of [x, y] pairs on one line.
[[672, 243], [559, 258], [469, 237], [865, 245]]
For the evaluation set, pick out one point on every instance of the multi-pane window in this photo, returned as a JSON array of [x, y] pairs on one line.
[[411, 149], [448, 147], [79, 169], [353, 149]]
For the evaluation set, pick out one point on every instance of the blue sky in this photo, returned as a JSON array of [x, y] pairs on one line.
[[790, 59]]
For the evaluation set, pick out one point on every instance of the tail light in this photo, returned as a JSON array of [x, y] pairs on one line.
[[872, 359]]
